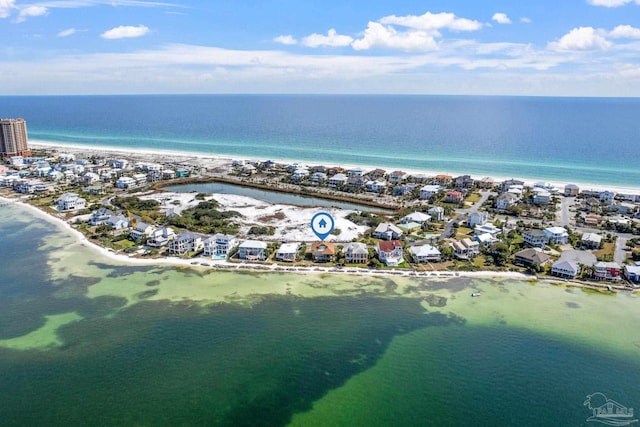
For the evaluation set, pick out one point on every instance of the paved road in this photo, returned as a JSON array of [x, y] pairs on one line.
[[463, 214], [563, 215]]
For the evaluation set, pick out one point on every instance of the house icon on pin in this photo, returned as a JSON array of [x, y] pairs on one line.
[[322, 223]]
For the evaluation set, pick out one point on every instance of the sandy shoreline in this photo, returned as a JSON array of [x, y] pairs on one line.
[[214, 160], [209, 263]]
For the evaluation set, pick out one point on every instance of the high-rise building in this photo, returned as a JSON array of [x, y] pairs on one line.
[[13, 138]]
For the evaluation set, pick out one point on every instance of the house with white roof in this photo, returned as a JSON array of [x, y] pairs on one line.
[[565, 269], [185, 243], [100, 216], [466, 248], [485, 239], [437, 213], [338, 180], [535, 238], [541, 197], [487, 229], [632, 273], [141, 230], [70, 201], [425, 253], [161, 236], [219, 245], [125, 182], [355, 253], [252, 250], [387, 231], [477, 218], [396, 177], [591, 241], [118, 222], [428, 191], [607, 197], [557, 235], [506, 200], [287, 252], [417, 217]]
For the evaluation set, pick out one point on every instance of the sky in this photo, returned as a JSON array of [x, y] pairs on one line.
[[470, 47]]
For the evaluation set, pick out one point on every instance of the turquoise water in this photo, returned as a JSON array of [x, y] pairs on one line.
[[86, 341], [591, 140], [267, 196]]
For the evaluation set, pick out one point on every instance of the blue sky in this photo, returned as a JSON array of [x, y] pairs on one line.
[[488, 47]]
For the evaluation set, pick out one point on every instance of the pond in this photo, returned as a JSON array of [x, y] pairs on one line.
[[274, 197]]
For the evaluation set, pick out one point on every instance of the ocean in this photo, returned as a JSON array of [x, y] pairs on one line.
[[564, 140], [86, 341]]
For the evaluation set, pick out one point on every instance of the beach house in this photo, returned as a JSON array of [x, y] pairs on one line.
[[322, 251], [219, 245], [387, 231], [591, 241], [185, 243], [565, 269], [252, 250], [287, 252], [453, 196], [466, 249], [425, 253], [607, 271], [535, 238], [390, 252], [532, 257], [428, 191], [100, 216], [141, 230], [70, 201], [355, 253], [160, 236], [557, 235], [477, 218]]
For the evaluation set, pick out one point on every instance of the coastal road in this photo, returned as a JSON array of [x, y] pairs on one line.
[[463, 214]]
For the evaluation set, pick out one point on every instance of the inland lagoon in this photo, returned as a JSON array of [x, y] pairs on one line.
[[87, 341]]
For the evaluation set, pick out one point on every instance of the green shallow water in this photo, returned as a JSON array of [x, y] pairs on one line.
[[86, 341]]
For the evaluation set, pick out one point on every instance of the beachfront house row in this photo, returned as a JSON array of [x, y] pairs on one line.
[[541, 197], [442, 179], [355, 253], [632, 273], [376, 186], [322, 251], [607, 197], [531, 257], [219, 245], [252, 250], [591, 241], [287, 252], [557, 235], [141, 230], [70, 201], [425, 253], [506, 185], [535, 238], [486, 183], [390, 252], [387, 231], [185, 243], [160, 237], [607, 271], [428, 191], [565, 269]]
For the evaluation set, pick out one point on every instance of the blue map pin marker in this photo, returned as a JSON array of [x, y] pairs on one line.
[[322, 225]]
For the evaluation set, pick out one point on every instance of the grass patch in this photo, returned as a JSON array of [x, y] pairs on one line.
[[473, 198], [606, 253]]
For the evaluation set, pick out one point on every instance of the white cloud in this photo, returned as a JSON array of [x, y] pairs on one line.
[[581, 39], [433, 22], [286, 40], [625, 32], [125, 31], [611, 3], [6, 7], [501, 18], [332, 39], [525, 20], [33, 10], [383, 36], [66, 33]]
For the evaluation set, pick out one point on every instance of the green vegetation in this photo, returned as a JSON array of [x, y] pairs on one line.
[[134, 204], [365, 218], [262, 230], [206, 218]]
